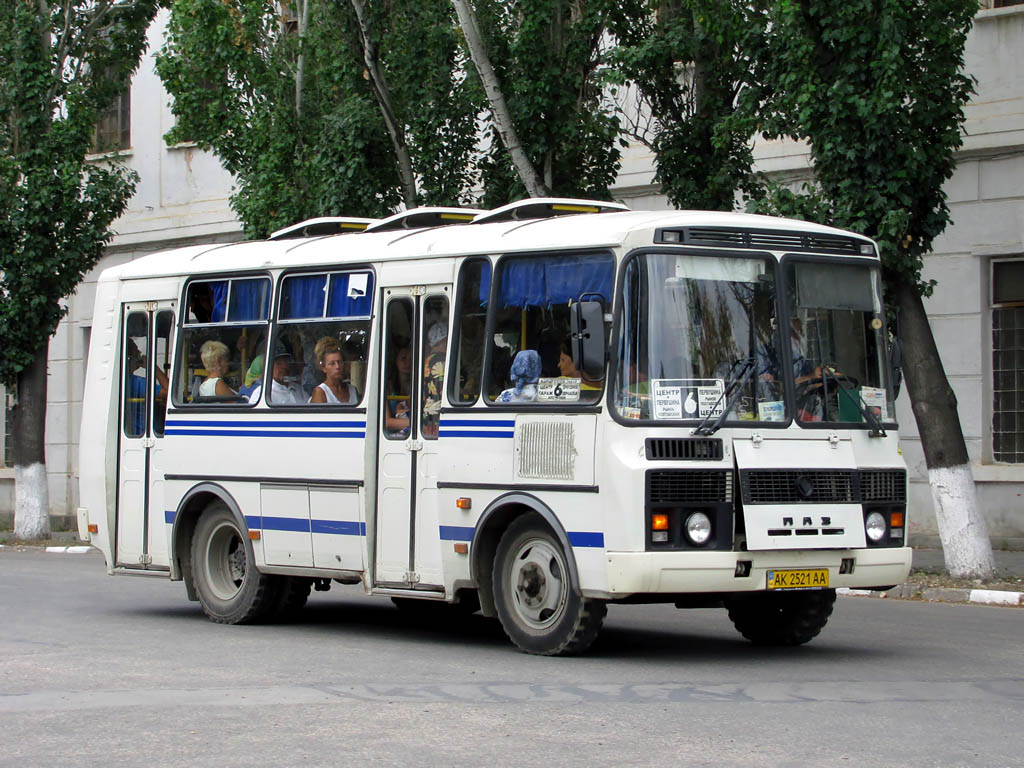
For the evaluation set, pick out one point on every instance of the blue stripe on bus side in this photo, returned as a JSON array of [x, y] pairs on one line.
[[456, 532], [586, 539], [340, 527], [472, 433], [246, 423], [476, 423], [169, 515], [259, 433]]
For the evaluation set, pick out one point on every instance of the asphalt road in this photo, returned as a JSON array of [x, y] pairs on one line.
[[125, 671]]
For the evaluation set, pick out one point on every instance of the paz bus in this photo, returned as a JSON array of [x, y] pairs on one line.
[[532, 412]]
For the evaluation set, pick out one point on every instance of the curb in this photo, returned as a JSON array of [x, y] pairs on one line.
[[72, 550], [941, 595]]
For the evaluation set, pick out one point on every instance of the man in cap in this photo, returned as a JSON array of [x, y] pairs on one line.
[[282, 391]]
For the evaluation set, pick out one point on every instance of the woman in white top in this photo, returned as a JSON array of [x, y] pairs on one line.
[[215, 355], [335, 390]]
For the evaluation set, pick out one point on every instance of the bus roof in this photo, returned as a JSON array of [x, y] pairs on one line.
[[581, 231]]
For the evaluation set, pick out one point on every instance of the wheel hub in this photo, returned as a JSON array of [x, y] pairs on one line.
[[531, 585]]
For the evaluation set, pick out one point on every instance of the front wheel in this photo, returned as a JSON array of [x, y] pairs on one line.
[[534, 598], [229, 587], [784, 618]]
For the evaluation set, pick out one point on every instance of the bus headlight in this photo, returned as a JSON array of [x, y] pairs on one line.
[[698, 528], [874, 526]]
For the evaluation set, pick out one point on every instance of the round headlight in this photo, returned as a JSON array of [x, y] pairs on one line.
[[698, 528], [874, 526]]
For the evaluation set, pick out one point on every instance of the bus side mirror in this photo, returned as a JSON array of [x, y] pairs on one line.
[[896, 364], [587, 325]]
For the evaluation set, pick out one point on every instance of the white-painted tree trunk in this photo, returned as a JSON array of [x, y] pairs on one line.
[[965, 542], [31, 502]]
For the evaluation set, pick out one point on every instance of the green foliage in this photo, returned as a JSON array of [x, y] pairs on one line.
[[877, 88], [547, 55], [58, 70], [235, 69], [695, 64]]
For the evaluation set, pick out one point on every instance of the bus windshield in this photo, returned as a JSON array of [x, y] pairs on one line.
[[837, 347], [699, 340]]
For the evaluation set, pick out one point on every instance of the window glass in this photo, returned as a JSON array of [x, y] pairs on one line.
[[435, 351], [224, 341], [320, 345], [398, 367], [136, 347], [161, 364], [531, 354], [698, 340], [1008, 361], [475, 287]]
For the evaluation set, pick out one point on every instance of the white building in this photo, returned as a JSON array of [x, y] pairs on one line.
[[977, 311]]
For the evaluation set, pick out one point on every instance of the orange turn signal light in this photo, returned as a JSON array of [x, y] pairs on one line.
[[659, 522], [896, 520], [461, 548], [254, 535], [464, 502], [94, 528]]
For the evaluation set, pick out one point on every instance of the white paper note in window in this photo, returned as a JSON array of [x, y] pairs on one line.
[[357, 285]]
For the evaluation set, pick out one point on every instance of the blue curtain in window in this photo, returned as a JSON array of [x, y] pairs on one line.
[[220, 300], [485, 283], [303, 297], [351, 295], [558, 280], [250, 300]]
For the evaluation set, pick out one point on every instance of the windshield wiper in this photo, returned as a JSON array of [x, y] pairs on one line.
[[730, 393], [877, 430]]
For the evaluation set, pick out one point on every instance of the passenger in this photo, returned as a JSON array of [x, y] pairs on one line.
[[334, 390], [282, 391], [525, 375], [253, 379], [433, 378], [215, 357], [396, 420]]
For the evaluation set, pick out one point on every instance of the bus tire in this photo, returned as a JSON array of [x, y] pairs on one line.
[[292, 594], [784, 618], [533, 595], [224, 575]]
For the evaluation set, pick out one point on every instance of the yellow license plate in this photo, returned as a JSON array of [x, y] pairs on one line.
[[804, 578]]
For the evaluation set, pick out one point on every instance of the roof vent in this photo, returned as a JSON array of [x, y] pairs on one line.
[[421, 218], [325, 225], [545, 207]]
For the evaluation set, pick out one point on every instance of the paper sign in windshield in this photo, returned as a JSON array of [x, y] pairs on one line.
[[874, 398], [560, 390], [688, 398]]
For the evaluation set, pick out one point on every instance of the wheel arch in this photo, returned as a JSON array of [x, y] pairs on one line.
[[191, 506], [496, 518]]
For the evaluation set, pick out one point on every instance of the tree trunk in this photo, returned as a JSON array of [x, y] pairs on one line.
[[535, 187], [965, 543], [31, 496], [383, 94]]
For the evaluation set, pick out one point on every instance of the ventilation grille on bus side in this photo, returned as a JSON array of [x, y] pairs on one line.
[[764, 239], [683, 448], [689, 486], [547, 450]]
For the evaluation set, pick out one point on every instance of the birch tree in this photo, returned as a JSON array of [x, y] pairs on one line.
[[61, 65]]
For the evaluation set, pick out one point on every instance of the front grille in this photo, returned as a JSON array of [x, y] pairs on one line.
[[689, 486], [794, 486], [684, 448], [883, 485]]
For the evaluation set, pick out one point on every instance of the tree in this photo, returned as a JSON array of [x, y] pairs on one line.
[[552, 129], [61, 65], [312, 105], [694, 66], [877, 88]]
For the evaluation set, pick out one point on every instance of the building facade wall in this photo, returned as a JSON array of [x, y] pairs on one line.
[[183, 197]]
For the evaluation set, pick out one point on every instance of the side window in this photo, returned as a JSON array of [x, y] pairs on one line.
[[398, 366], [161, 365], [136, 348], [435, 354], [322, 338], [531, 354], [224, 339], [471, 311]]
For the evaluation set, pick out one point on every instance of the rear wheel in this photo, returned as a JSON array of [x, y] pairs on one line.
[[292, 594], [533, 595], [229, 587], [784, 618]]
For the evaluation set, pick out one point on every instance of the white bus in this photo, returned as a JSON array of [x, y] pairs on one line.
[[533, 413]]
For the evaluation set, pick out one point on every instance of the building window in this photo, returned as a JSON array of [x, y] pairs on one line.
[[114, 129], [1008, 361], [6, 427]]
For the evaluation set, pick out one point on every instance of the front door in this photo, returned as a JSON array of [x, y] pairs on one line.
[[145, 358], [413, 356]]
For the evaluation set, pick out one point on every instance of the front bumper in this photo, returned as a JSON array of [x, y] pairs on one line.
[[638, 573]]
